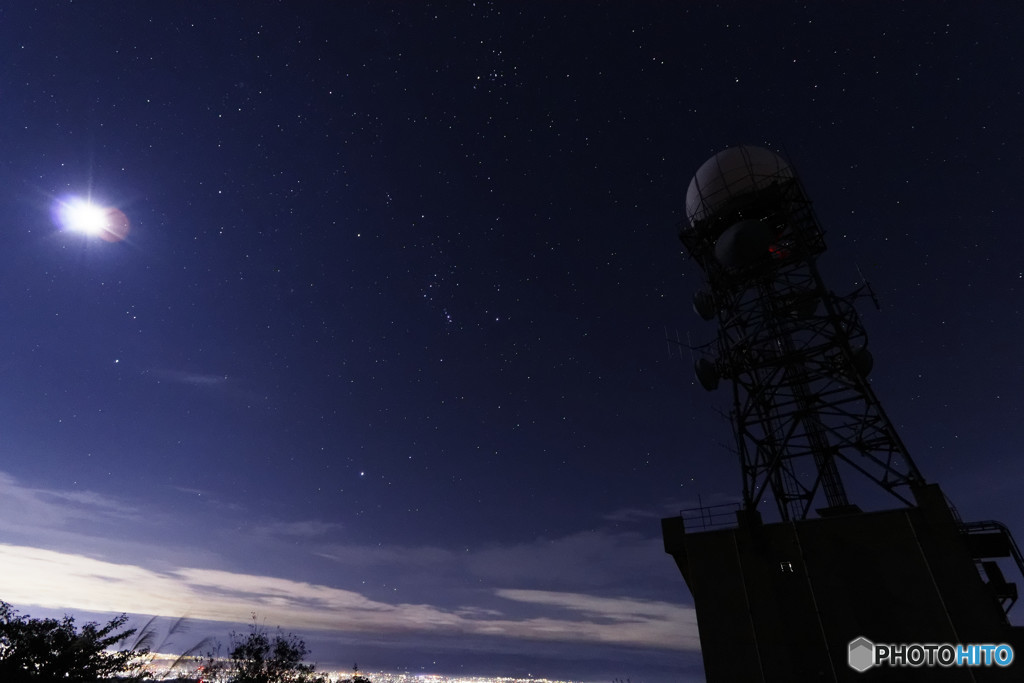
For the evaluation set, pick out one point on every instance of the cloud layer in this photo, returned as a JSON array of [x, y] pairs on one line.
[[63, 580], [81, 551]]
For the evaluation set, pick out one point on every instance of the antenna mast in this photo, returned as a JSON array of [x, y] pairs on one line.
[[795, 353]]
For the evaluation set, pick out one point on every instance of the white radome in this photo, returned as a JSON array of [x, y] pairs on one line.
[[729, 174]]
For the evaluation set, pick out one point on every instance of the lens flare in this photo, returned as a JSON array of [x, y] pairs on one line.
[[82, 216]]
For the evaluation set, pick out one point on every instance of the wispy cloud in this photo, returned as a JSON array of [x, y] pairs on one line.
[[193, 378], [306, 529], [630, 515], [603, 562], [27, 508], [63, 580], [637, 622], [592, 559], [216, 384], [423, 557], [100, 525]]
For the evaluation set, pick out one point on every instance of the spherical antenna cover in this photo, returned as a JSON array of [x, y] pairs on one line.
[[732, 173]]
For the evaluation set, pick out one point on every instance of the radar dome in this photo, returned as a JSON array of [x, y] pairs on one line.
[[729, 174]]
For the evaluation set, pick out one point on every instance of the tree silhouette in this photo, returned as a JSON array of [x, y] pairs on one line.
[[258, 658], [53, 649], [356, 678]]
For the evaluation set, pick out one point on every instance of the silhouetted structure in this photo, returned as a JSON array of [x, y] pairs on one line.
[[782, 601]]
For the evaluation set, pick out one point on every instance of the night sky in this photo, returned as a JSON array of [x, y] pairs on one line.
[[383, 356]]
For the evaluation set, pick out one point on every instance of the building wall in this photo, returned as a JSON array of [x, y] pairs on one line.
[[781, 602]]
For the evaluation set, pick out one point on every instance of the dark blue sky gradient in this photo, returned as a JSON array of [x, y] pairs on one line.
[[392, 315]]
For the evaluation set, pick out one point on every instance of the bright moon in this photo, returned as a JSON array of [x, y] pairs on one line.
[[84, 217], [107, 223]]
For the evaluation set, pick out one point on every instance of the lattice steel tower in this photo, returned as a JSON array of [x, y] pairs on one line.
[[795, 352], [804, 598]]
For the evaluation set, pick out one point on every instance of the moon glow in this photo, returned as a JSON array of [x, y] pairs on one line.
[[82, 216]]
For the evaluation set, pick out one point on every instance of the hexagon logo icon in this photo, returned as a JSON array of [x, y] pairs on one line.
[[862, 654]]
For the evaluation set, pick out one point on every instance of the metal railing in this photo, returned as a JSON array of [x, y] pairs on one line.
[[710, 516], [992, 525]]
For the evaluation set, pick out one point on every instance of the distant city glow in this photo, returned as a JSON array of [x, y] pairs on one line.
[[81, 215], [167, 665]]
